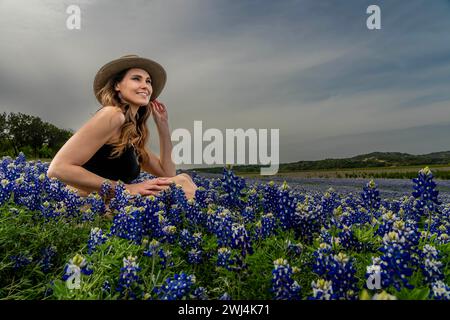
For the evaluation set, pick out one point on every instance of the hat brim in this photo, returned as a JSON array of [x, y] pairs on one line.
[[155, 70]]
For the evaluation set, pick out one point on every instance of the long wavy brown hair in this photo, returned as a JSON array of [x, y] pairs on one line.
[[134, 130]]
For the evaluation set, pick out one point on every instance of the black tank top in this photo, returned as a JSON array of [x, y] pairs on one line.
[[125, 167]]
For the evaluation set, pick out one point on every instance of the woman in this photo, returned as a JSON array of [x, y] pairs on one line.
[[111, 146]]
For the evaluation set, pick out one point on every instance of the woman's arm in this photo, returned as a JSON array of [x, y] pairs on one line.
[[67, 163], [163, 166], [154, 166]]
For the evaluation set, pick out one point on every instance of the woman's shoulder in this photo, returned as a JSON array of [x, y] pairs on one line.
[[110, 109], [112, 112]]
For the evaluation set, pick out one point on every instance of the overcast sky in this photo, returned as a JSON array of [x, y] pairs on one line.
[[310, 68]]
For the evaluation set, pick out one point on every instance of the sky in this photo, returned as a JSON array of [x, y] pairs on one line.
[[310, 68]]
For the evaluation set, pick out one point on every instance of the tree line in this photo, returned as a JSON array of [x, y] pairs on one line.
[[29, 134]]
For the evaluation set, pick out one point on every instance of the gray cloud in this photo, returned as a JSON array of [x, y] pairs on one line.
[[309, 68]]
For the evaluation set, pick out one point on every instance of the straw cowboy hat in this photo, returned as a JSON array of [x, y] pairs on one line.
[[154, 69]]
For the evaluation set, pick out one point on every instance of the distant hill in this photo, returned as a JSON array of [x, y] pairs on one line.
[[374, 159]]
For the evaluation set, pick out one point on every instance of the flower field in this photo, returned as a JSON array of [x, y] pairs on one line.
[[235, 240]]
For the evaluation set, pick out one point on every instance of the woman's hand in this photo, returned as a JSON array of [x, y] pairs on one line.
[[149, 187], [159, 112]]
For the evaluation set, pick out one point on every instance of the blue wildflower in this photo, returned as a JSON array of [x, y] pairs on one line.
[[200, 293], [440, 291], [96, 238], [128, 278], [176, 288], [47, 256], [195, 256], [224, 258], [283, 286], [430, 264], [371, 197], [322, 290], [425, 193]]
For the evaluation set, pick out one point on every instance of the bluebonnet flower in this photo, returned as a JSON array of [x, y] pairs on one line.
[[6, 187], [270, 200], [106, 287], [165, 256], [430, 264], [21, 260], [348, 239], [12, 171], [47, 256], [322, 290], [174, 215], [72, 202], [54, 189], [178, 196], [128, 278], [440, 291], [286, 207], [224, 258], [232, 186], [443, 238], [21, 159], [186, 240], [176, 288], [128, 224], [253, 200], [25, 192], [294, 248], [283, 286], [200, 197], [342, 275], [240, 239], [266, 226], [371, 196], [308, 220], [197, 240], [200, 293], [121, 197], [248, 214], [386, 225], [425, 193], [219, 222], [155, 251], [395, 261], [96, 238], [330, 201], [154, 217], [195, 256], [106, 190], [96, 205], [225, 296], [194, 215], [169, 233], [153, 248], [325, 236]]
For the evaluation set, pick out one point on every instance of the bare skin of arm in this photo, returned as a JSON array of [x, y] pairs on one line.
[[67, 163]]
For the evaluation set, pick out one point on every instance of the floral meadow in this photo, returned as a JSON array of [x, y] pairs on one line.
[[235, 240]]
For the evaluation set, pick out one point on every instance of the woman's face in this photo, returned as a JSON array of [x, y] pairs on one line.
[[135, 87]]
